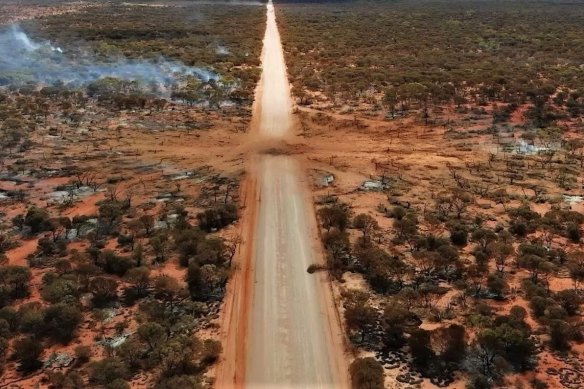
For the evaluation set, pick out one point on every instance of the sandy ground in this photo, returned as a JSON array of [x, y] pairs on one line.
[[293, 333]]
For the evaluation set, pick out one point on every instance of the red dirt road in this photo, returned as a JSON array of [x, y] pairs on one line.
[[291, 336]]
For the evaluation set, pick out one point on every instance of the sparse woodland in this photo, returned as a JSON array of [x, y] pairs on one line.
[[116, 206], [452, 227], [461, 260], [436, 53], [199, 35]]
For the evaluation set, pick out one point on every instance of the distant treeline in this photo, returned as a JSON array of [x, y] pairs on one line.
[[481, 51], [441, 2]]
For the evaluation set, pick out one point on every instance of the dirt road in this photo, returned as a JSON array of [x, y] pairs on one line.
[[274, 93], [289, 343], [281, 326]]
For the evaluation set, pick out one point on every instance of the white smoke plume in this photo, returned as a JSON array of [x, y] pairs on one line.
[[222, 50], [23, 60]]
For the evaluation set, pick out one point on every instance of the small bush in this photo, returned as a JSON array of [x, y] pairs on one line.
[[37, 219], [573, 231], [366, 373], [218, 217], [82, 354], [27, 352], [107, 371]]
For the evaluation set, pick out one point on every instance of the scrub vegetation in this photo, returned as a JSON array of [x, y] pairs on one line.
[[119, 200], [447, 152], [436, 52]]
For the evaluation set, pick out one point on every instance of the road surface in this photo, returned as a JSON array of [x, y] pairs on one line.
[[275, 104], [289, 339]]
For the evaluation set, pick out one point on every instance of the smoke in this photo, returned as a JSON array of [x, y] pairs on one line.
[[24, 60], [20, 38], [14, 40], [222, 50]]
